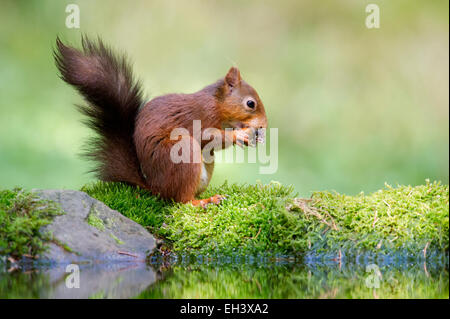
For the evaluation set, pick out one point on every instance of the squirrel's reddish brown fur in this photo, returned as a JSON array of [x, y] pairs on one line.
[[133, 140]]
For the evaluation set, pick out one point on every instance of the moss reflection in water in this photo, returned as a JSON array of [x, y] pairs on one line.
[[290, 281], [243, 279], [23, 285]]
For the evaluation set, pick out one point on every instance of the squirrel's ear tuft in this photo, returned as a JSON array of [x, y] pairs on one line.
[[233, 77]]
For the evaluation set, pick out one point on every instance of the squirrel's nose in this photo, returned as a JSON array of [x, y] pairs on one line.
[[260, 135], [259, 130]]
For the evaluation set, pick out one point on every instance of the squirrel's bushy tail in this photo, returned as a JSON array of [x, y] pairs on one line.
[[113, 100]]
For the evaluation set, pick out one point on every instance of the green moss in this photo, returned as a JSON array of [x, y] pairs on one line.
[[266, 281], [118, 241], [22, 215], [64, 246], [132, 202], [95, 221], [268, 218], [389, 219], [98, 295]]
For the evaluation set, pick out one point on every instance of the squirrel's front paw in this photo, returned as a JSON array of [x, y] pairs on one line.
[[241, 138]]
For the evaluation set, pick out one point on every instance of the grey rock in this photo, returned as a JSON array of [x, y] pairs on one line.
[[105, 280], [113, 238]]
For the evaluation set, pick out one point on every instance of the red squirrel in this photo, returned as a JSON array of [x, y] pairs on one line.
[[133, 143]]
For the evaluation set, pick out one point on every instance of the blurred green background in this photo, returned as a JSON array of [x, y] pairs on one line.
[[355, 107]]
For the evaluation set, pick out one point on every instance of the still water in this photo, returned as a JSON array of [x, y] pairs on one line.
[[234, 277]]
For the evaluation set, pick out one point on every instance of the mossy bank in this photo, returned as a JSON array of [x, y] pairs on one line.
[[270, 219], [22, 215], [259, 218]]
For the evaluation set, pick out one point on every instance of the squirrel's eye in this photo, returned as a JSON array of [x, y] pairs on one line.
[[249, 102]]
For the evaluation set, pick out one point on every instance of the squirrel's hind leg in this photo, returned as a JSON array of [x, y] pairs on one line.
[[178, 181], [171, 179], [205, 177]]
